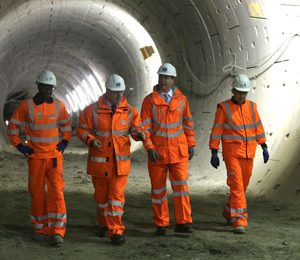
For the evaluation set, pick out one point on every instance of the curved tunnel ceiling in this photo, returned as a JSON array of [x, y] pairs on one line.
[[207, 41]]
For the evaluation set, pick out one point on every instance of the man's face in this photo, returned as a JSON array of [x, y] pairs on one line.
[[166, 82], [45, 90], [239, 96], [114, 97]]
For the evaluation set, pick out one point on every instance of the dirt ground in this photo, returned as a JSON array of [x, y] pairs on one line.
[[274, 231]]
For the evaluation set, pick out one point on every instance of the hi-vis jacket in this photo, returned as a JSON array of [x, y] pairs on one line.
[[171, 126], [97, 122], [42, 124], [239, 127]]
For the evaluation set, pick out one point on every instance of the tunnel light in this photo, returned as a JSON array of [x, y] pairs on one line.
[[80, 97], [6, 122], [74, 108], [95, 86]]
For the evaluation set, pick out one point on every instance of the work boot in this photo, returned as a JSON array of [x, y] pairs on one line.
[[56, 240], [102, 232], [160, 231], [239, 230], [182, 228], [117, 239], [39, 237]]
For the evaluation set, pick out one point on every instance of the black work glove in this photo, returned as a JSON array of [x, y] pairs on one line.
[[24, 149], [266, 155], [61, 146], [141, 136], [191, 152], [214, 161], [153, 155]]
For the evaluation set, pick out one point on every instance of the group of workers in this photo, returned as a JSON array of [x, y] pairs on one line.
[[165, 127]]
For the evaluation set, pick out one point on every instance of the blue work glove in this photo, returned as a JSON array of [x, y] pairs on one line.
[[24, 149], [266, 155], [214, 161], [61, 146], [191, 152], [153, 155]]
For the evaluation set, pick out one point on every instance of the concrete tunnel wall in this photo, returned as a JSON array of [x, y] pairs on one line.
[[206, 40]]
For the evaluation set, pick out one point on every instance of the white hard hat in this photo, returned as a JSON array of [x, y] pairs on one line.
[[167, 69], [46, 77], [241, 82], [115, 83]]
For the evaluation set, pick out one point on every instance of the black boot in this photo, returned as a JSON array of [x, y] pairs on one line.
[[117, 239], [160, 231], [182, 228]]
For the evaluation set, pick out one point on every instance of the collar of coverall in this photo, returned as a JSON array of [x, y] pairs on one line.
[[38, 99], [103, 103], [158, 100], [235, 102]]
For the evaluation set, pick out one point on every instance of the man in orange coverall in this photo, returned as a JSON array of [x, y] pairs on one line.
[[105, 127], [43, 119], [238, 125], [166, 114]]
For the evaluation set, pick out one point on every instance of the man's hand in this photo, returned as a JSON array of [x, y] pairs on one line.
[[96, 144], [61, 146], [24, 149], [214, 161], [191, 152], [153, 156]]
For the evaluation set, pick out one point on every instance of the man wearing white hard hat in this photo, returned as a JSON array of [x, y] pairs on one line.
[[105, 127], [47, 127], [166, 114], [238, 126]]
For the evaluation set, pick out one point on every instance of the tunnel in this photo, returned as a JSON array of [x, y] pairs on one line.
[[208, 42]]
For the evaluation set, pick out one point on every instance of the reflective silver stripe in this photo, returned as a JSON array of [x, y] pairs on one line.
[[165, 125], [237, 218], [260, 136], [135, 128], [42, 126], [122, 157], [159, 201], [236, 210], [64, 121], [187, 119], [129, 116], [235, 127], [57, 103], [112, 213], [30, 110], [253, 112], [188, 127], [65, 129], [57, 215], [233, 137], [98, 159], [169, 135], [158, 191], [57, 224], [13, 132], [227, 108], [178, 183], [116, 203], [39, 218], [42, 139], [17, 122], [38, 226], [146, 121], [120, 132], [95, 105], [258, 123], [180, 193], [102, 133], [113, 203]]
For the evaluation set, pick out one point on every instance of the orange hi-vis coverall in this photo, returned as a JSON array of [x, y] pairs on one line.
[[109, 165], [240, 129], [172, 133], [44, 126]]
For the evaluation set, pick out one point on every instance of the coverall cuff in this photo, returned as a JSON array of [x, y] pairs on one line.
[[89, 139]]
